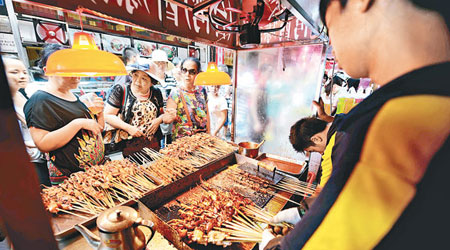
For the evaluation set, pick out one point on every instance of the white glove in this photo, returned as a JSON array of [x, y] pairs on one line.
[[289, 215], [266, 237]]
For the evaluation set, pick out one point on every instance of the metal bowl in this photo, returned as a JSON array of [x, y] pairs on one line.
[[249, 149]]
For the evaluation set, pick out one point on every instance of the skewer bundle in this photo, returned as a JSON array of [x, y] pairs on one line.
[[98, 188], [206, 218], [242, 229], [251, 181], [295, 187], [200, 149], [256, 183], [182, 157], [263, 216]]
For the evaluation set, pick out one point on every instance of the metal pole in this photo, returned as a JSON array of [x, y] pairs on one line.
[[332, 83], [233, 108], [15, 30]]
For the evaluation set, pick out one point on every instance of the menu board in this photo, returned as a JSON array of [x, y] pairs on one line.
[[194, 52], [182, 53], [115, 44], [7, 43], [170, 50], [145, 48], [96, 36]]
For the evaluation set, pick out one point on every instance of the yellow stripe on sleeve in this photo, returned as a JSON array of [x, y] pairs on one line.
[[327, 165], [400, 143]]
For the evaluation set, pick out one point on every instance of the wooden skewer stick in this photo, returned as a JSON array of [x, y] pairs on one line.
[[68, 212], [282, 197]]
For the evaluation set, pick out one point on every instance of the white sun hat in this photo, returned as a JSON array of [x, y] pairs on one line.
[[159, 56]]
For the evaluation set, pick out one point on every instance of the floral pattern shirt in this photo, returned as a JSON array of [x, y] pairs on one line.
[[197, 107]]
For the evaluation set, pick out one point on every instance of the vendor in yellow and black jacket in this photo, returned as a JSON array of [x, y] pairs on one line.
[[390, 167], [312, 134]]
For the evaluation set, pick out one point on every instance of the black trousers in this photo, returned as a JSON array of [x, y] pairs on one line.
[[42, 172]]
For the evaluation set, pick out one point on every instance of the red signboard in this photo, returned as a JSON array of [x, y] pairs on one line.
[[294, 30], [159, 16]]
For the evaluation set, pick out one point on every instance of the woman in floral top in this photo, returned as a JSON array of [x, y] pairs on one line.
[[188, 103]]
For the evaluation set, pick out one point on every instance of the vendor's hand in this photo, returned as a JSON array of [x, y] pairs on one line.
[[91, 125], [320, 107], [290, 215], [266, 237], [154, 125], [134, 131], [321, 111]]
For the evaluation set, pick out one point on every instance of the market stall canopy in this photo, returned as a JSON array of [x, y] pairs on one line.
[[225, 23], [159, 16]]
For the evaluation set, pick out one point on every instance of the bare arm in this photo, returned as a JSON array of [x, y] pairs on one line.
[[208, 118], [112, 119], [47, 141], [98, 102], [171, 113], [101, 120], [322, 115]]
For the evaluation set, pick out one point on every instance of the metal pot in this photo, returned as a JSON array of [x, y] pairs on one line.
[[249, 149]]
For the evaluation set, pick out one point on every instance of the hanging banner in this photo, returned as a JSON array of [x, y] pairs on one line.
[[160, 16]]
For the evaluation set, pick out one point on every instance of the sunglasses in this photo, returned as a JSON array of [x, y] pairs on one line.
[[191, 71]]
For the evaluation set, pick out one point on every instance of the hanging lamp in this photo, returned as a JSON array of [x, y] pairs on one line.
[[212, 76], [84, 59]]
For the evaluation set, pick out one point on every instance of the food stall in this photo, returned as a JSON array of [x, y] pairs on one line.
[[198, 192]]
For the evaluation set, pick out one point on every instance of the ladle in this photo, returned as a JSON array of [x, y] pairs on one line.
[[261, 143]]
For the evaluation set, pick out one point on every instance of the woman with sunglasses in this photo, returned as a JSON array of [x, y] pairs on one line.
[[187, 105]]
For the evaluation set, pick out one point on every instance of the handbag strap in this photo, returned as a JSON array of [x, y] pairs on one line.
[[125, 94], [186, 109]]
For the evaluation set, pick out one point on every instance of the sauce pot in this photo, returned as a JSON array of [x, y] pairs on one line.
[[249, 149]]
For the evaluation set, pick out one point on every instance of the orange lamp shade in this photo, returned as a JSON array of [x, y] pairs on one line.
[[84, 59], [212, 76]]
